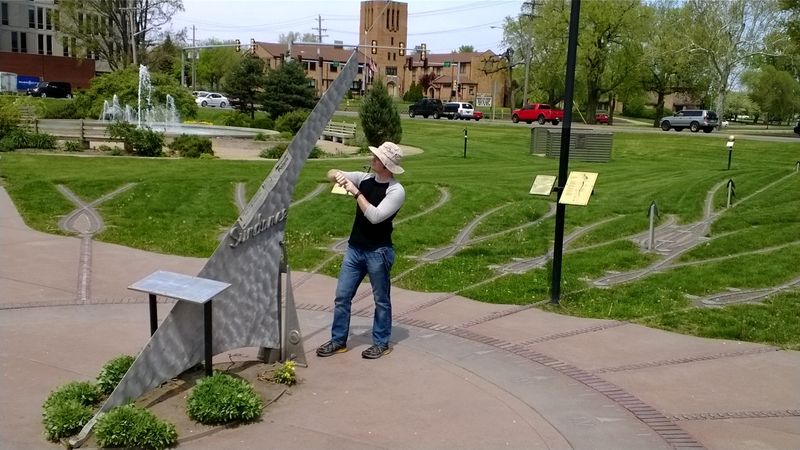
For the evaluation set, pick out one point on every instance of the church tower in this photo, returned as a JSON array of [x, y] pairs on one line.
[[383, 38]]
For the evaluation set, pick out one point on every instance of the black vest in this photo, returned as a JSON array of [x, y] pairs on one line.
[[366, 235]]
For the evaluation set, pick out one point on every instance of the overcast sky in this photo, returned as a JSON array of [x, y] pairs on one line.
[[443, 25]]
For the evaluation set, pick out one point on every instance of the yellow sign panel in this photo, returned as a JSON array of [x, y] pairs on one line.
[[543, 185], [578, 188], [339, 190]]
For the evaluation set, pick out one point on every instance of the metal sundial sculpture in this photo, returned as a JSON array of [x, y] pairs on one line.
[[249, 258]]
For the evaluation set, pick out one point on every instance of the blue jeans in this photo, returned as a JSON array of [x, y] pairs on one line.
[[356, 265]]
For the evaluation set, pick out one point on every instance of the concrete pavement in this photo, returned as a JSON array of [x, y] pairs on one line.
[[463, 374]]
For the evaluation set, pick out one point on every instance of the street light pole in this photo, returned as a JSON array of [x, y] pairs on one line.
[[527, 63]]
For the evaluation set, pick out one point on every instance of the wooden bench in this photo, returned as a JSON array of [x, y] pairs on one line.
[[339, 131]]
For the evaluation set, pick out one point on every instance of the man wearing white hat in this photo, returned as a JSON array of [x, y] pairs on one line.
[[378, 197]]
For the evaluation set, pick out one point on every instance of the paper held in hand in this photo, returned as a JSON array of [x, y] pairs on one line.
[[339, 190]]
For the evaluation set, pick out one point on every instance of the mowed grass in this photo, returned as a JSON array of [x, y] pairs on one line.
[[181, 207]]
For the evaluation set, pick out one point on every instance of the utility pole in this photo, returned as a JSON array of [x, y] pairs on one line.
[[194, 60], [531, 15], [319, 29]]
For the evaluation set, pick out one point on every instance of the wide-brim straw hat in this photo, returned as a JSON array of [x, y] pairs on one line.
[[390, 155]]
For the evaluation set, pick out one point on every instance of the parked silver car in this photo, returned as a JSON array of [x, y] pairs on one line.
[[694, 119], [212, 99]]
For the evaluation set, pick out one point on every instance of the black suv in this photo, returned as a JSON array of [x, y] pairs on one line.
[[55, 89], [426, 107], [797, 127]]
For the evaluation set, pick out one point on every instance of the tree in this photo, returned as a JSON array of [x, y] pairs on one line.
[[104, 27], [776, 92], [215, 63], [245, 83], [296, 36], [465, 49], [165, 57], [413, 93], [609, 47], [667, 67], [727, 34], [379, 117], [287, 88]]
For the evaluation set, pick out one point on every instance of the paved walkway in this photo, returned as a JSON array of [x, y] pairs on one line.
[[463, 374]]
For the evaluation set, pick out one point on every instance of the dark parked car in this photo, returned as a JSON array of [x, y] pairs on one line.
[[426, 107], [797, 128], [55, 89]]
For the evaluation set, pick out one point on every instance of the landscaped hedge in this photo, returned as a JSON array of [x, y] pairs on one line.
[[222, 398]]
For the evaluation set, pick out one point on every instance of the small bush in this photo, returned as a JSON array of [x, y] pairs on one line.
[[139, 141], [222, 398], [16, 139], [9, 117], [207, 156], [316, 153], [73, 146], [285, 374], [286, 135], [65, 419], [274, 152], [130, 426], [191, 146], [65, 109], [291, 121], [265, 123], [112, 372], [105, 148], [68, 408], [261, 137], [42, 141], [236, 119]]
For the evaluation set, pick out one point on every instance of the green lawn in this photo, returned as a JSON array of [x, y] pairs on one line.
[[181, 206]]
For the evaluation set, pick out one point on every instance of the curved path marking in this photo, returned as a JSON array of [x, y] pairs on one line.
[[85, 221], [673, 241]]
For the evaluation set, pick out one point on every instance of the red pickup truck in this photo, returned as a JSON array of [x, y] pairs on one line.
[[540, 112]]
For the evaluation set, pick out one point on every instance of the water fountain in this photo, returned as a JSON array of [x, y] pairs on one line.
[[163, 118]]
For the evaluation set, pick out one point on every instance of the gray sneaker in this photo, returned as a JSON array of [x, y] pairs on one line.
[[330, 348], [376, 351]]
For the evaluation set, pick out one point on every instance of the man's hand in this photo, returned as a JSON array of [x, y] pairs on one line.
[[346, 184]]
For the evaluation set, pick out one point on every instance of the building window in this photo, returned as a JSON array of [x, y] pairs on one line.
[[391, 70], [462, 68], [48, 20], [49, 44], [23, 42], [72, 47], [333, 67], [31, 18], [4, 13], [65, 46], [40, 18], [41, 44], [14, 42]]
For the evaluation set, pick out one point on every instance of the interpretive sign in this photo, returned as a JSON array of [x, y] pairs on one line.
[[578, 188], [543, 185]]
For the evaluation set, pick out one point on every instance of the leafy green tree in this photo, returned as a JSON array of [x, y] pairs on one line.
[[296, 36], [215, 63], [379, 117], [728, 34], [165, 57], [776, 92], [667, 67], [246, 82], [286, 89], [465, 49], [125, 84], [413, 93], [104, 27]]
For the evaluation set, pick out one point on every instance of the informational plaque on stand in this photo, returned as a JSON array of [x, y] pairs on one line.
[[339, 190], [543, 185], [578, 188]]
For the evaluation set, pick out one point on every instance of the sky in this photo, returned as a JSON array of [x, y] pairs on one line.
[[443, 25]]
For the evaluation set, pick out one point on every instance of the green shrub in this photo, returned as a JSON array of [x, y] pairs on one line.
[[261, 137], [73, 146], [6, 145], [61, 109], [9, 117], [105, 148], [207, 156], [286, 135], [265, 123], [17, 139], [379, 118], [236, 119], [130, 426], [285, 374], [316, 153], [41, 141], [112, 372], [274, 152], [67, 409], [65, 419], [291, 121], [191, 146], [138, 141], [222, 398]]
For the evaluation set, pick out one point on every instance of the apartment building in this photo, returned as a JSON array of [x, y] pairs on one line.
[[384, 51], [32, 47]]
